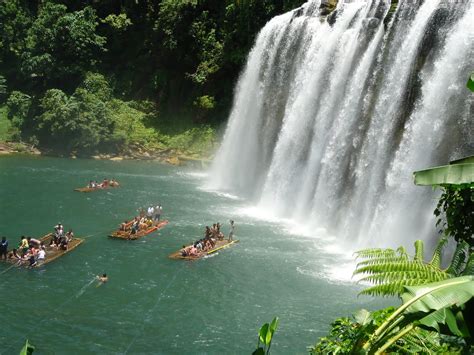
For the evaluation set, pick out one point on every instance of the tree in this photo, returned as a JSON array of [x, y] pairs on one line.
[[61, 45], [18, 106]]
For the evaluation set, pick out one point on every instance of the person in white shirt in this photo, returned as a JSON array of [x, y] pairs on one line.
[[149, 213], [40, 256]]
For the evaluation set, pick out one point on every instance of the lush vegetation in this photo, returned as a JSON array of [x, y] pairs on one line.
[[87, 76], [437, 311]]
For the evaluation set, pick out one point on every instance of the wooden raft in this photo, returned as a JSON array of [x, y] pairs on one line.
[[91, 189], [128, 236], [51, 253], [220, 244]]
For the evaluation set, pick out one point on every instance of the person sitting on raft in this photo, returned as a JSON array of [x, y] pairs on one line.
[[135, 226], [23, 246], [105, 183], [32, 242], [69, 235], [123, 226]]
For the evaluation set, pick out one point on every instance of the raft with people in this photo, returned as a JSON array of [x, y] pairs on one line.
[[42, 251], [128, 233], [95, 186], [212, 242], [187, 253], [148, 221]]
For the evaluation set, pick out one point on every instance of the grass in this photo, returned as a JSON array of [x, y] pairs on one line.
[[4, 124]]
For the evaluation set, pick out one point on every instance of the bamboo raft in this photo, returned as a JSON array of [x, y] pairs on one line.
[[220, 244], [119, 234], [51, 253], [91, 189]]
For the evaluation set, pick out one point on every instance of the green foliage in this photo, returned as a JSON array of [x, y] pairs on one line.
[[432, 306], [455, 213], [3, 86], [15, 20], [345, 332], [27, 349], [470, 82], [209, 49], [118, 22], [390, 270], [129, 125], [79, 122], [265, 337], [192, 141], [18, 106], [61, 44], [97, 85], [205, 102], [5, 125]]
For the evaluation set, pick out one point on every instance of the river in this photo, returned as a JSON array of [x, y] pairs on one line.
[[153, 304]]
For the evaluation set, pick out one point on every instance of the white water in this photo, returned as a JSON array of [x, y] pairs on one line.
[[330, 121]]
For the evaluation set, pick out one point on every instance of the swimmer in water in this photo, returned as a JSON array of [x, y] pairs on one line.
[[103, 278]]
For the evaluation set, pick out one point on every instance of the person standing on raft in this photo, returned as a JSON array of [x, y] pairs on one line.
[[232, 228]]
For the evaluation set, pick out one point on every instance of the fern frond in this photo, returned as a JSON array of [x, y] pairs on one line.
[[375, 253], [469, 269], [390, 267], [419, 250], [436, 259], [425, 276], [459, 258], [420, 341], [382, 261], [389, 270]]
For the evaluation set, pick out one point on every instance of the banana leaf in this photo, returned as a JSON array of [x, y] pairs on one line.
[[467, 160], [455, 174], [438, 295], [27, 349]]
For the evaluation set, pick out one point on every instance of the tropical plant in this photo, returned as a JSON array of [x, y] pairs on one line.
[[390, 270], [265, 337], [27, 348], [470, 82], [455, 210], [436, 306]]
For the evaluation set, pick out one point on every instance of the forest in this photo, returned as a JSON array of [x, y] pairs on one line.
[[81, 77]]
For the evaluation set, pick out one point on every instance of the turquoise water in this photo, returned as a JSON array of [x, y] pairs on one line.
[[153, 304]]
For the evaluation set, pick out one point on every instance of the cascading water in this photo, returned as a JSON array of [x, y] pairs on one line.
[[333, 113]]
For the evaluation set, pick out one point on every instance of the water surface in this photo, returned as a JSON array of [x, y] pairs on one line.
[[152, 304]]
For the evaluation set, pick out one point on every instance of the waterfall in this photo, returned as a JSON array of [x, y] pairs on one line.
[[332, 114]]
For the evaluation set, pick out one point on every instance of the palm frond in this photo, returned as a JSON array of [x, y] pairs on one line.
[[419, 251], [469, 269], [373, 253], [459, 259], [436, 259], [389, 270]]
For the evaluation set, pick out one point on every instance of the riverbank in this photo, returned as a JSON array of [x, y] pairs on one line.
[[169, 156]]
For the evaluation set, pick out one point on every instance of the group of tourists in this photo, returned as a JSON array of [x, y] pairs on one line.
[[104, 184], [32, 251], [145, 220], [211, 236], [60, 240]]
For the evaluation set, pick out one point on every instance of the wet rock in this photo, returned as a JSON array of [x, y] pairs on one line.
[[327, 6]]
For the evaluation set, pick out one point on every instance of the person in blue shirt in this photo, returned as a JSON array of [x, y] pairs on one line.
[[4, 248]]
